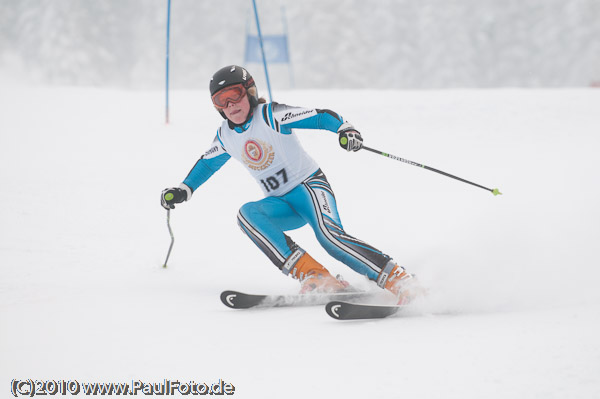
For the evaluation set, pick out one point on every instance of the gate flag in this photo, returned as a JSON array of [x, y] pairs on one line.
[[275, 46]]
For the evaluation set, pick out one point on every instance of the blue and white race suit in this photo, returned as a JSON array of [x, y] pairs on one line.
[[296, 190]]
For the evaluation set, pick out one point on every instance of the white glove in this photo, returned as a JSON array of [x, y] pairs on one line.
[[349, 138], [175, 195]]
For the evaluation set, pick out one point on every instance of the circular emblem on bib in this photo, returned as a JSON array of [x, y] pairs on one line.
[[253, 150], [257, 154]]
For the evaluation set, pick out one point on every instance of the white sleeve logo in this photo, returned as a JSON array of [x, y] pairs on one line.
[[213, 152], [293, 115]]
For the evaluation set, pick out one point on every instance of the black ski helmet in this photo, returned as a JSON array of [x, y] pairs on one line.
[[232, 75]]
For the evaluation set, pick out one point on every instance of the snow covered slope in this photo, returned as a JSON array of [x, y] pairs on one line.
[[514, 305]]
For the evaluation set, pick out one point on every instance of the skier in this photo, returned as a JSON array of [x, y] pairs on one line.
[[260, 136]]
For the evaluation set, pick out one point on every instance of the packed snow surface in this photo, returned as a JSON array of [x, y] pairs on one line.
[[513, 309]]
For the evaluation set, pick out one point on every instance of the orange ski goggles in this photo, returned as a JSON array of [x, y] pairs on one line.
[[233, 94]]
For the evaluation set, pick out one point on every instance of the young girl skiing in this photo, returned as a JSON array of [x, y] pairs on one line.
[[260, 136]]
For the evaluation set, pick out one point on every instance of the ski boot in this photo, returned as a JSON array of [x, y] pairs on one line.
[[314, 277], [400, 283]]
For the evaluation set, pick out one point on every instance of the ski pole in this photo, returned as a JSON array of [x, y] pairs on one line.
[[385, 154], [172, 237]]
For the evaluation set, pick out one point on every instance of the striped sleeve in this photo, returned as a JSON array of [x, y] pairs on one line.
[[283, 118], [207, 165]]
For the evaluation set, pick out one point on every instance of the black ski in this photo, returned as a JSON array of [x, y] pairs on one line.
[[240, 300], [341, 310]]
